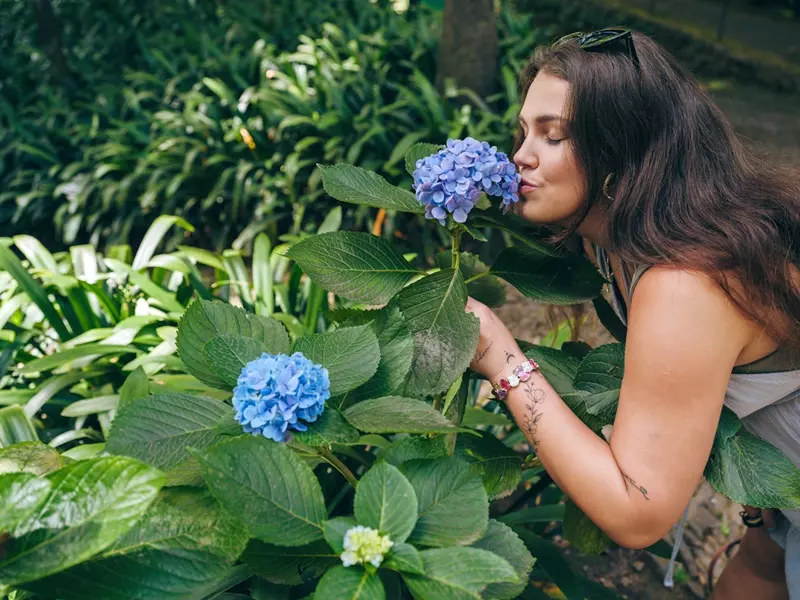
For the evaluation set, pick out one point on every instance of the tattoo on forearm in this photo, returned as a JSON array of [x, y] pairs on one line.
[[479, 355], [641, 488], [533, 413], [509, 356]]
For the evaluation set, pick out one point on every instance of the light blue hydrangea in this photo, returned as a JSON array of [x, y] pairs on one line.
[[276, 392], [452, 180]]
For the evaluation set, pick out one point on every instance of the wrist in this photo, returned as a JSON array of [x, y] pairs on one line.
[[510, 377]]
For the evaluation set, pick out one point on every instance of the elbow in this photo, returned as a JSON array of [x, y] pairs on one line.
[[638, 536]]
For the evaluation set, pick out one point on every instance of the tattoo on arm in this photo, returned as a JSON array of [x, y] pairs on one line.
[[509, 356], [636, 485], [479, 355], [533, 413]]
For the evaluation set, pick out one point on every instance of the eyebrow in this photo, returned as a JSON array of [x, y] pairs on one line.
[[542, 119]]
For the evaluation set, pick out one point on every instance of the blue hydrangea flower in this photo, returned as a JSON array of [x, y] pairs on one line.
[[276, 392], [452, 180]]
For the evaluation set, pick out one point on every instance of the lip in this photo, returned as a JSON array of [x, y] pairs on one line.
[[528, 186]]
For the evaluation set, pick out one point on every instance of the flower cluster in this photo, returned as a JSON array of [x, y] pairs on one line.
[[452, 180], [276, 392], [364, 545]]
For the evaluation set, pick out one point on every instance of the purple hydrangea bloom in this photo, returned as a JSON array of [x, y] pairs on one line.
[[451, 180], [276, 392]]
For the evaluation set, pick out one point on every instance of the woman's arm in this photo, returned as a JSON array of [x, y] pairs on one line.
[[684, 337]]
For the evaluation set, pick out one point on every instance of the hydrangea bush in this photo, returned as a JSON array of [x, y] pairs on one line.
[[359, 461]]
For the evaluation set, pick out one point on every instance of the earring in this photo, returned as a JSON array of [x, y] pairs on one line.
[[606, 183]]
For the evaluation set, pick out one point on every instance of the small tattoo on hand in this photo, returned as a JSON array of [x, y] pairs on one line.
[[479, 355], [509, 356]]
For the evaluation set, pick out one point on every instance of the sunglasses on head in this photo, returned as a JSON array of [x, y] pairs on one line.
[[612, 39]]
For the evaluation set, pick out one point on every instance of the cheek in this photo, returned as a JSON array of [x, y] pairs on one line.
[[563, 192]]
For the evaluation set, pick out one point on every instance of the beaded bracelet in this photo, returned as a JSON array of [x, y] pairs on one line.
[[521, 373]]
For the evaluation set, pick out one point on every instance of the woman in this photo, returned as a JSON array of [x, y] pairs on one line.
[[620, 146]]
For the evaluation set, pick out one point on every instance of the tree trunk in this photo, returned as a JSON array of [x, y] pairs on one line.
[[49, 37], [468, 47]]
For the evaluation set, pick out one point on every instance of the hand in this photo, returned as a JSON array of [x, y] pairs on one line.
[[498, 352]]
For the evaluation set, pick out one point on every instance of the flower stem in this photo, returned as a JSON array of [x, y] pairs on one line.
[[477, 276], [456, 246], [339, 466]]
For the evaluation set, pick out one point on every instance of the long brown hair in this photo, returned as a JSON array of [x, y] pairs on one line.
[[683, 190]]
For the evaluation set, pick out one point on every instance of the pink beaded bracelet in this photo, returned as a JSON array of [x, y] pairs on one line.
[[521, 373]]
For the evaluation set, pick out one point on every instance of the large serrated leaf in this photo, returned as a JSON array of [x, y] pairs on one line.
[[395, 414], [357, 266], [229, 354], [158, 429], [20, 495], [599, 380], [329, 428], [386, 501], [183, 544], [351, 355], [458, 574], [405, 559], [581, 532], [289, 566], [352, 184], [267, 487], [500, 467], [501, 540], [30, 457], [204, 320], [349, 583], [453, 506], [397, 352], [91, 503], [485, 288], [445, 336], [554, 280]]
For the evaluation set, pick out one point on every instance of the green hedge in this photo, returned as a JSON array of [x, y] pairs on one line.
[[701, 56]]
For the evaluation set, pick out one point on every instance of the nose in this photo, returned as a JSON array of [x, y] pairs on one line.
[[525, 157]]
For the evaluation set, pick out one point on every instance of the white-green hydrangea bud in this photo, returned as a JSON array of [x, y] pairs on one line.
[[364, 545]]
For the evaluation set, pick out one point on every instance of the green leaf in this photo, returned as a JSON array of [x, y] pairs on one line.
[[262, 274], [352, 184], [153, 238], [405, 559], [599, 380], [485, 288], [411, 448], [535, 514], [397, 352], [334, 531], [20, 495], [204, 320], [182, 545], [728, 425], [386, 501], [453, 506], [158, 429], [563, 280], [91, 503], [558, 367], [15, 427], [229, 354], [62, 357], [501, 540], [394, 414], [458, 574], [267, 487], [351, 355], [91, 406], [289, 566], [500, 467], [10, 263], [751, 471], [550, 558], [474, 416], [357, 266], [30, 457], [418, 152], [445, 336], [520, 230], [349, 583], [581, 532], [137, 385], [329, 428]]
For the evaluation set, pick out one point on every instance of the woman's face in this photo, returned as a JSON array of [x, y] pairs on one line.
[[552, 189]]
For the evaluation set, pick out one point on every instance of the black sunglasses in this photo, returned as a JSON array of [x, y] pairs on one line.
[[612, 39]]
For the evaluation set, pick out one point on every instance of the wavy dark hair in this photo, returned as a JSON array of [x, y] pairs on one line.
[[684, 190]]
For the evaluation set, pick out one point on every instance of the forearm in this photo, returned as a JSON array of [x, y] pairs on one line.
[[583, 464]]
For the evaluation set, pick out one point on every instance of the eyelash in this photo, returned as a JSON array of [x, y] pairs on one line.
[[553, 142]]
